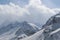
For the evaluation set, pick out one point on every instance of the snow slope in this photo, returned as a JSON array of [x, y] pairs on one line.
[[36, 36]]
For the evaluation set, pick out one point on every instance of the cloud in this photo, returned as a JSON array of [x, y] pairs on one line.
[[12, 9], [11, 12], [57, 10], [34, 12], [39, 12], [37, 4]]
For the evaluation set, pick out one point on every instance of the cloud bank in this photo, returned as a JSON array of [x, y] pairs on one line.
[[35, 12], [11, 12]]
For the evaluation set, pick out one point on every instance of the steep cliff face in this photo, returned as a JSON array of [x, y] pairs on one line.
[[52, 28]]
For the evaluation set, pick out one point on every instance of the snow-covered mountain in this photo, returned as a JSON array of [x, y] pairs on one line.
[[27, 28], [49, 31], [29, 31], [17, 30]]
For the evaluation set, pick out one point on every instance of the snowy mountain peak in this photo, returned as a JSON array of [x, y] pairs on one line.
[[29, 31], [49, 31], [27, 28]]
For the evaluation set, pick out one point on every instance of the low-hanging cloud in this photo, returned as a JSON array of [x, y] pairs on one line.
[[39, 12], [34, 12], [11, 12]]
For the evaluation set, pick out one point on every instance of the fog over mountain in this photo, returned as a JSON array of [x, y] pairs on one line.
[[29, 20], [37, 14], [49, 31]]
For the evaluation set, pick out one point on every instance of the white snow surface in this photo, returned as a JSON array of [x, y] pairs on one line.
[[36, 36], [55, 31]]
